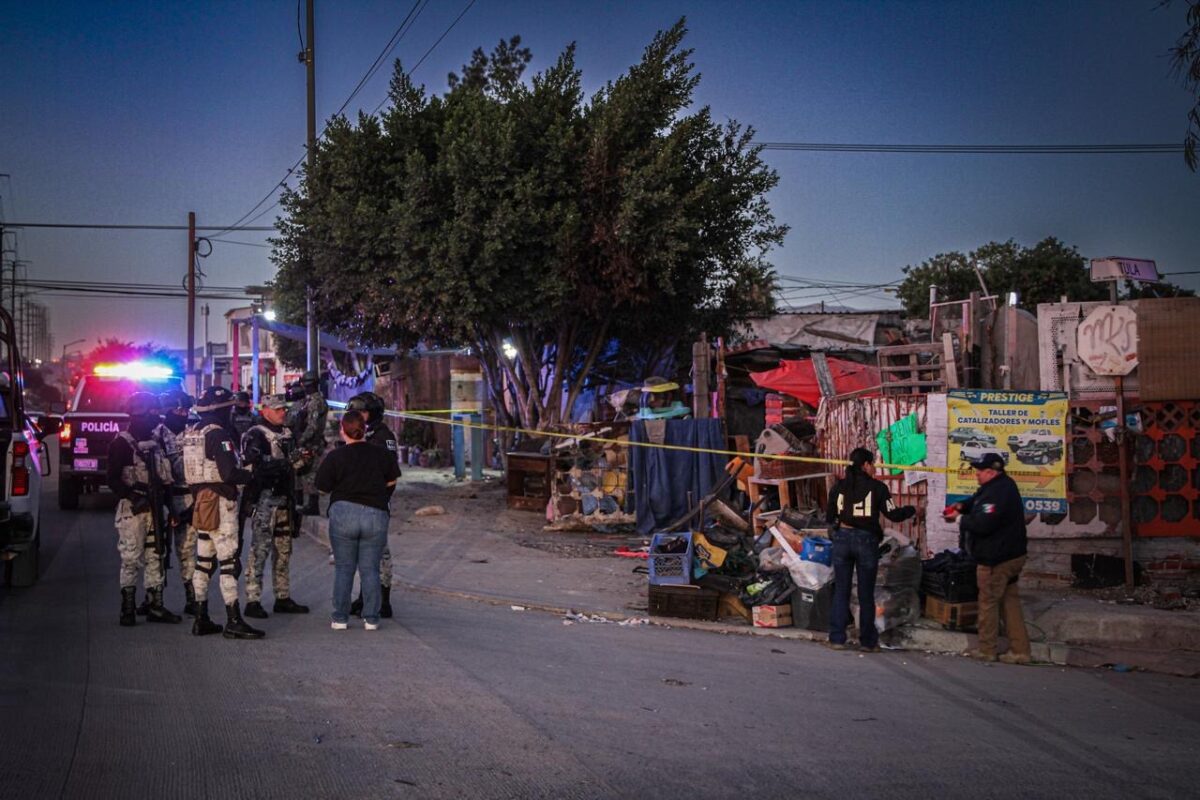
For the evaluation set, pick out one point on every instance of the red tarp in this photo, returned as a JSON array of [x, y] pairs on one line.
[[799, 379]]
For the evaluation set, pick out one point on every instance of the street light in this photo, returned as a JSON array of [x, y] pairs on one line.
[[69, 344]]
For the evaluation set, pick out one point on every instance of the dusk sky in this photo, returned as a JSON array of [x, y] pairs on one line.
[[138, 112]]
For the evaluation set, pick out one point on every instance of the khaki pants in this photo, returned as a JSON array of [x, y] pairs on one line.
[[998, 593]]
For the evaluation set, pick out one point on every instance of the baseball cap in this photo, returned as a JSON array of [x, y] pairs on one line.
[[989, 461]]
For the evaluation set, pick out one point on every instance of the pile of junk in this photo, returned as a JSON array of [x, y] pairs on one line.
[[710, 565]]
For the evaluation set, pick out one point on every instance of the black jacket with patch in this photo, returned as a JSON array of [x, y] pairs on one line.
[[858, 503], [993, 522]]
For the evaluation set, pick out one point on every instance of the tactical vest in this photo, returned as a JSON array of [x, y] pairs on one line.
[[196, 468], [279, 440], [138, 472], [172, 448]]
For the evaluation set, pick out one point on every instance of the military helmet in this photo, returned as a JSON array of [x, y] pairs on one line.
[[310, 379], [369, 404], [176, 398], [213, 398], [141, 404]]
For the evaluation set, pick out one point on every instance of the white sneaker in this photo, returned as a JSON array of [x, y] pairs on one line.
[[371, 626], [339, 626]]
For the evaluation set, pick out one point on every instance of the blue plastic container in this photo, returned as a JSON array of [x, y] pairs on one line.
[[670, 569], [817, 549]]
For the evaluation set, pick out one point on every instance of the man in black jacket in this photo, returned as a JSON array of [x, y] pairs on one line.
[[992, 528]]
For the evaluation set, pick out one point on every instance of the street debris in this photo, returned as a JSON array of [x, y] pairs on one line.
[[429, 511], [517, 608], [676, 682], [571, 617]]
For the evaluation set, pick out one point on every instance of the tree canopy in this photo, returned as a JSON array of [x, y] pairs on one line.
[[513, 214], [1185, 62], [1043, 273]]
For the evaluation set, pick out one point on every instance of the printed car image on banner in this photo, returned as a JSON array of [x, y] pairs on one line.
[[1027, 429]]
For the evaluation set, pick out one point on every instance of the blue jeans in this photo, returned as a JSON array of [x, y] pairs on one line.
[[357, 534], [854, 550]]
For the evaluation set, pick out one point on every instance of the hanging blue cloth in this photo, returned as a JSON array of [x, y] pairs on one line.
[[663, 478]]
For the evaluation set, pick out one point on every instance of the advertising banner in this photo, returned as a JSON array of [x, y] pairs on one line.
[[1027, 429]]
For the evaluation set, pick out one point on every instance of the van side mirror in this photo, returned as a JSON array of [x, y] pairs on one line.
[[48, 426]]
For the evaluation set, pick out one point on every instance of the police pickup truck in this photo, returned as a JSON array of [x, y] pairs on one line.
[[94, 418], [24, 461]]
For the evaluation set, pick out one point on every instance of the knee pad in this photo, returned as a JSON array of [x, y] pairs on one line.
[[207, 565], [230, 566]]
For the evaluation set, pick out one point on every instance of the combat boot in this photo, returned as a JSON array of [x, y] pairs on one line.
[[385, 604], [128, 606], [287, 605], [157, 612], [189, 607], [254, 609], [236, 627], [203, 626], [357, 606]]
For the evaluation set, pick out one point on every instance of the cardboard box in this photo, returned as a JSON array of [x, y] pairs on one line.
[[952, 616], [773, 616]]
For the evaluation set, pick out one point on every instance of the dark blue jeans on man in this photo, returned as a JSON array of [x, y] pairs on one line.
[[357, 534], [854, 551]]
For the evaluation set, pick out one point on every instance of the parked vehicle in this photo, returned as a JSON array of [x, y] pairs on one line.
[[965, 435], [94, 419], [1041, 452], [973, 450], [25, 461], [1019, 440]]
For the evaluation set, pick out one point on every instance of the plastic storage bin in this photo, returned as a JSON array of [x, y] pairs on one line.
[[670, 569], [817, 549]]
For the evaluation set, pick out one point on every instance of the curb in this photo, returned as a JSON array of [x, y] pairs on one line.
[[911, 638]]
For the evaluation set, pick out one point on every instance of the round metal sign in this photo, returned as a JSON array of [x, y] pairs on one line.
[[1107, 340]]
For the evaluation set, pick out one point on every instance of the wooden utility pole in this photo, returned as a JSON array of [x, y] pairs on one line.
[[310, 67], [191, 302]]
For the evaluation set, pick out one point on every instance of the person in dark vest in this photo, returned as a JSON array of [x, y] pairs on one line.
[[853, 515], [991, 527]]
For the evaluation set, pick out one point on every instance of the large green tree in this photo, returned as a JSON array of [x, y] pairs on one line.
[[1043, 273], [517, 216], [1185, 61]]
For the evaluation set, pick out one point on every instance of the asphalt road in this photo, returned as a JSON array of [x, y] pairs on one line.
[[459, 700]]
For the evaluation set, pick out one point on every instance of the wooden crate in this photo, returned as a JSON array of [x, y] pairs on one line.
[[952, 616]]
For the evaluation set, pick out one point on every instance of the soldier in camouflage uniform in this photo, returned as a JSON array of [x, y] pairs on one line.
[[268, 452], [132, 456], [175, 406], [307, 422], [210, 462], [379, 434]]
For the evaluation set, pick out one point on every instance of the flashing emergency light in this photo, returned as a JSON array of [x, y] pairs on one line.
[[135, 370]]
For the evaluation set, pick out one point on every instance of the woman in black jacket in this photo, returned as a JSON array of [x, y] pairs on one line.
[[853, 515]]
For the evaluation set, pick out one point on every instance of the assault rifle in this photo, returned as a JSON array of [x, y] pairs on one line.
[[159, 501]]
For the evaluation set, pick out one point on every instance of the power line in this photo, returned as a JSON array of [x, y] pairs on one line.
[[397, 37], [370, 71], [978, 149], [98, 227], [432, 47]]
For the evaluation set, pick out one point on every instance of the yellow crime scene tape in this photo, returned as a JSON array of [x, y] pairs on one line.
[[422, 416]]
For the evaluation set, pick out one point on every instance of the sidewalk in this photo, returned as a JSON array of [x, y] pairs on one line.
[[479, 550]]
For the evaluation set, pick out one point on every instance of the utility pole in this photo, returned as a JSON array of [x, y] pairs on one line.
[[191, 302], [310, 68]]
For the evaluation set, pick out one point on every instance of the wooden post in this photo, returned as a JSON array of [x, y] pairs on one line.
[[701, 369]]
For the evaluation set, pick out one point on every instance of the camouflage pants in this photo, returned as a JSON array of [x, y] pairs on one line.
[[135, 543], [218, 549], [271, 531], [184, 537]]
